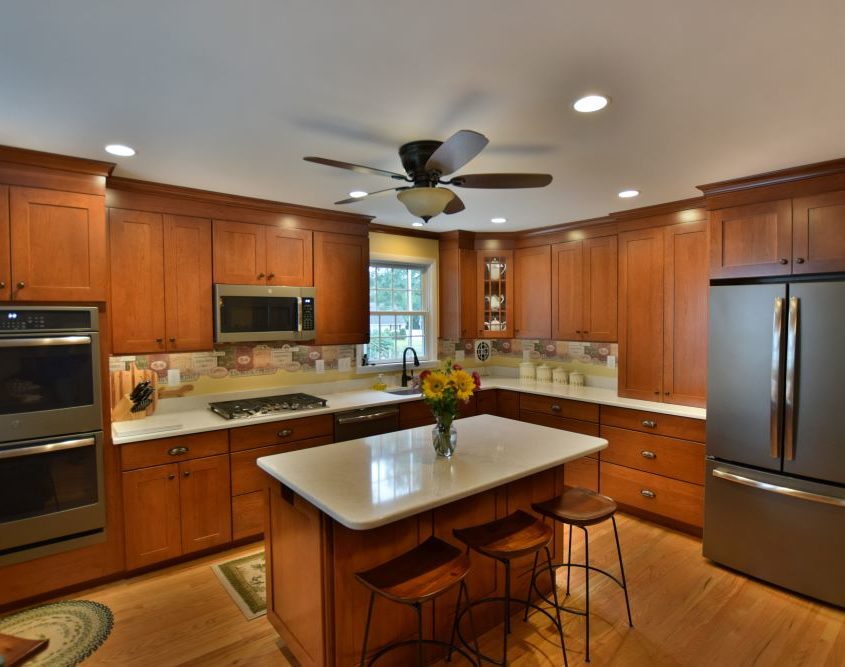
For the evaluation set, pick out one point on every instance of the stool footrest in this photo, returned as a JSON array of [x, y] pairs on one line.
[[416, 642]]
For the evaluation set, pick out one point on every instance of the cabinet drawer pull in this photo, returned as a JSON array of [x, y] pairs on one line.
[[171, 476], [260, 275], [284, 433], [270, 276], [799, 260], [783, 260], [187, 473], [648, 455], [649, 423], [648, 493], [555, 408], [172, 340], [159, 340], [178, 451], [21, 284]]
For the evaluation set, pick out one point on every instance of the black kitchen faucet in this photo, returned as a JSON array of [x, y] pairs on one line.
[[405, 375]]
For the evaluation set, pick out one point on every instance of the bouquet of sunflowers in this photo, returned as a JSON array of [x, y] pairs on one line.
[[442, 389]]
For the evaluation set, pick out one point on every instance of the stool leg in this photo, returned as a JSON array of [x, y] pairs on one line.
[[530, 586], [587, 588], [463, 591], [507, 610], [367, 630], [557, 604], [472, 621], [568, 561], [622, 570], [420, 661]]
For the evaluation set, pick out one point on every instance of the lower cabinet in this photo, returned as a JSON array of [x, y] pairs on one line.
[[176, 509]]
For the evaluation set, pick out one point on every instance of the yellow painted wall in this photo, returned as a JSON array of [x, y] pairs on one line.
[[411, 246]]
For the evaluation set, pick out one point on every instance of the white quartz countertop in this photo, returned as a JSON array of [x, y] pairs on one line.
[[192, 415], [370, 482]]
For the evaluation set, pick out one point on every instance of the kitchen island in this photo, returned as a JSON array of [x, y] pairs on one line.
[[342, 508]]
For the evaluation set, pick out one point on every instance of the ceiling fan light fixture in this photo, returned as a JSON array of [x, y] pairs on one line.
[[590, 103], [426, 202]]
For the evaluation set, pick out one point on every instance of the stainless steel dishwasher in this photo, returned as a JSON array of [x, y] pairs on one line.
[[366, 421]]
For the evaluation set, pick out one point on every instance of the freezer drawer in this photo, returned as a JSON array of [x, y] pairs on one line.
[[785, 531]]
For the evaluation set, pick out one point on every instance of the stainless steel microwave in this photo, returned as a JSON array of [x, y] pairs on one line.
[[257, 312]]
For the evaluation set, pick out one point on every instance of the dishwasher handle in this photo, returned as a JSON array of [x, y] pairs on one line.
[[370, 416]]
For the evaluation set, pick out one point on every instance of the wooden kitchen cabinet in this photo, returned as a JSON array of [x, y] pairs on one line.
[[253, 254], [458, 294], [818, 233], [153, 255], [341, 282], [663, 288], [205, 503], [56, 247], [584, 289], [494, 294], [532, 292], [5, 248]]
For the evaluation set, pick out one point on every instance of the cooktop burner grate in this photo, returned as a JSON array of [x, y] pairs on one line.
[[267, 405]]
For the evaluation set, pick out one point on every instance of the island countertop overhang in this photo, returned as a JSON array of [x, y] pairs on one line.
[[374, 481]]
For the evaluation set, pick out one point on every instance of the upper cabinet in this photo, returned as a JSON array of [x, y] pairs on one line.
[[5, 249], [255, 254], [584, 289], [457, 275], [161, 282], [751, 240], [341, 272], [495, 294], [818, 233], [532, 290]]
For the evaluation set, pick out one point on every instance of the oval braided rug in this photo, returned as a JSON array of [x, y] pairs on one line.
[[75, 628]]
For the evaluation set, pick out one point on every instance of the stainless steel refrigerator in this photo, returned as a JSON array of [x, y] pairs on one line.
[[774, 502]]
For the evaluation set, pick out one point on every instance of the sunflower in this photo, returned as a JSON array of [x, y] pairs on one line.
[[434, 384], [464, 384]]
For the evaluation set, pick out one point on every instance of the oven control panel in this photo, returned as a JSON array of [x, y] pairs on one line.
[[24, 319]]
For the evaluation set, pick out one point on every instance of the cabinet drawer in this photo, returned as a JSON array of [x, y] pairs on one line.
[[247, 476], [583, 472], [657, 454], [248, 515], [564, 424], [274, 433], [559, 407], [507, 403], [666, 497], [653, 422], [173, 450], [414, 413]]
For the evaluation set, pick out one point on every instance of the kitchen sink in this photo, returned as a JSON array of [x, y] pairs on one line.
[[404, 391]]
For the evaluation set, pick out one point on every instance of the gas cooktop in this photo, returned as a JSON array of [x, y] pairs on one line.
[[268, 405]]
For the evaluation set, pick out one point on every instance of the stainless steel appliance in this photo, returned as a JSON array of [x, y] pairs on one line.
[[267, 405], [775, 485], [257, 312], [51, 439], [354, 424]]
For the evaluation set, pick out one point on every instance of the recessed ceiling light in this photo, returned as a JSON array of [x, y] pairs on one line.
[[590, 103], [416, 224], [120, 150], [358, 194], [627, 194], [498, 221]]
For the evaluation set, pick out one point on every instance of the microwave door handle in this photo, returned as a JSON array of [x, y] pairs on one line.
[[46, 448], [41, 342], [299, 314]]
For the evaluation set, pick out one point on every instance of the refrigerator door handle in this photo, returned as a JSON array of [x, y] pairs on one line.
[[775, 405], [789, 394], [776, 488]]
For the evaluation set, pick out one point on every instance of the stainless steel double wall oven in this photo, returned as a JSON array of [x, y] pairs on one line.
[[51, 431]]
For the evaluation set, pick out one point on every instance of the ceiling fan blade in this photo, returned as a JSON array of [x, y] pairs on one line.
[[500, 180], [456, 151], [357, 168], [369, 194], [454, 206]]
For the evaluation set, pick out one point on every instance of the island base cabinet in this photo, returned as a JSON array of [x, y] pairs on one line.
[[583, 472]]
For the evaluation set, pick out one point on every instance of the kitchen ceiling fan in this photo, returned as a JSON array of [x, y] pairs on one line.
[[426, 163]]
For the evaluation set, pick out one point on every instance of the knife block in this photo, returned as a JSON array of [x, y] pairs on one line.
[[123, 411], [122, 384]]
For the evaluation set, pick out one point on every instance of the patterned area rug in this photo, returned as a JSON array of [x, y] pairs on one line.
[[75, 628], [244, 579]]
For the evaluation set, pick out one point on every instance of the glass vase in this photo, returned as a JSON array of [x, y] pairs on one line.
[[444, 437]]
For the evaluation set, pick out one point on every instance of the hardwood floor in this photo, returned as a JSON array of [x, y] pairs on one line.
[[686, 611]]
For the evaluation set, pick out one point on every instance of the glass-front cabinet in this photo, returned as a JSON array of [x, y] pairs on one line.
[[495, 307]]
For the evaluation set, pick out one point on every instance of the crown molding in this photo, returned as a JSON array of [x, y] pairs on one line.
[[76, 165]]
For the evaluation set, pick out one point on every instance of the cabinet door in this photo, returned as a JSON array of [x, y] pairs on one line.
[[818, 233], [532, 292], [187, 283], [5, 260], [341, 280], [58, 244], [240, 253], [137, 281], [685, 303], [494, 277], [567, 290], [457, 293], [752, 240], [205, 502], [641, 314], [290, 257], [600, 290], [151, 515]]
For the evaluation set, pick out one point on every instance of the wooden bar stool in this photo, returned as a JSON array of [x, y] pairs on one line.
[[421, 574], [582, 508], [516, 535]]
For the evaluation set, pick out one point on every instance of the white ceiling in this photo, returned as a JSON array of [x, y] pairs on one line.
[[229, 96]]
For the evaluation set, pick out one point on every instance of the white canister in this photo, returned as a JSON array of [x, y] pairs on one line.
[[560, 376], [576, 379], [527, 371], [544, 373]]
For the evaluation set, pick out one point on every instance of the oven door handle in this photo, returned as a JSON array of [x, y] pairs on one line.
[[39, 342], [47, 448]]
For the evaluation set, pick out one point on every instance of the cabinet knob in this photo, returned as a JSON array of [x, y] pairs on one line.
[[177, 451], [648, 493], [284, 433], [270, 276], [187, 473], [783, 260], [555, 408], [585, 332], [260, 275], [21, 284], [577, 331], [171, 476], [799, 260], [172, 340], [649, 423], [159, 340], [646, 454], [667, 393], [2, 284], [656, 393]]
